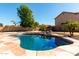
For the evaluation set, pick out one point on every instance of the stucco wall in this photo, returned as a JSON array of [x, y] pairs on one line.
[[63, 18]]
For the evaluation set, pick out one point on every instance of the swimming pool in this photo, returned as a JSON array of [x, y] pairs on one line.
[[41, 42]]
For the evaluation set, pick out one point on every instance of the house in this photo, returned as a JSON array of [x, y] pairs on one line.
[[64, 17]]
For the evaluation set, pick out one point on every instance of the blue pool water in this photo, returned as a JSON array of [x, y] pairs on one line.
[[40, 43]]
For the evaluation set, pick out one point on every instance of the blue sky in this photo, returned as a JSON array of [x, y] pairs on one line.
[[43, 13]]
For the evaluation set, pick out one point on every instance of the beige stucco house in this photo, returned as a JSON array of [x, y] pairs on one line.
[[64, 17]]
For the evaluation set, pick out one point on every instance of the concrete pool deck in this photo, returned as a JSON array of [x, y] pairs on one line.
[[9, 46]]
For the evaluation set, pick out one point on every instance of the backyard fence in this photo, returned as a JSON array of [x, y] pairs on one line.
[[13, 29]]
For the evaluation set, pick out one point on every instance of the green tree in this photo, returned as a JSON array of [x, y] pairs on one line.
[[43, 27], [25, 14], [36, 24], [1, 24], [53, 28], [64, 27], [13, 22], [71, 26]]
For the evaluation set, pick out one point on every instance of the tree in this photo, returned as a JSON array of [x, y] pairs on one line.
[[1, 24], [64, 27], [36, 24], [25, 14], [43, 27], [71, 26], [53, 28], [13, 22]]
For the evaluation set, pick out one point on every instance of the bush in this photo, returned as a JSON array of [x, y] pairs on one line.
[[42, 27], [53, 28], [1, 24]]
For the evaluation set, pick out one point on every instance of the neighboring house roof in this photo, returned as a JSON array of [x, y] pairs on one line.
[[63, 13]]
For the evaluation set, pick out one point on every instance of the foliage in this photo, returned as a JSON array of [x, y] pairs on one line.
[[13, 22], [43, 27], [36, 24], [25, 14], [53, 28], [1, 24], [71, 26]]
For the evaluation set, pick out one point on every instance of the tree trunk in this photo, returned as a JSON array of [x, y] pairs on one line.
[[71, 33]]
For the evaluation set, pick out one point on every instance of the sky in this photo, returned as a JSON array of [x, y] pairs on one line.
[[44, 13]]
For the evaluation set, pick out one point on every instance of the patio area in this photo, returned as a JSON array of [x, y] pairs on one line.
[[9, 45]]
